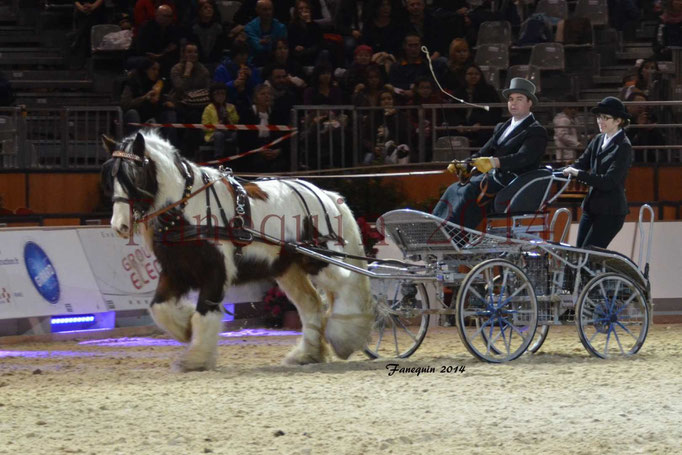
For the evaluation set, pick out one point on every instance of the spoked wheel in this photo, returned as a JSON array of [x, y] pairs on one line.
[[612, 316], [399, 325], [540, 337], [496, 311]]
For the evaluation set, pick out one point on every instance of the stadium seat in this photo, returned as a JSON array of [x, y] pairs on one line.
[[494, 32], [448, 148], [595, 10], [548, 56], [553, 8]]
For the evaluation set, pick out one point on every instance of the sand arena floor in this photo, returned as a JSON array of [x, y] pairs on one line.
[[118, 397]]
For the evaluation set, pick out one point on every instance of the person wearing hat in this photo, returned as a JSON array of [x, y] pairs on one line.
[[604, 167], [516, 147]]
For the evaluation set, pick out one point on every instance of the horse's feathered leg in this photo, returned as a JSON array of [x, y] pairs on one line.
[[202, 351], [206, 323], [170, 311], [312, 347]]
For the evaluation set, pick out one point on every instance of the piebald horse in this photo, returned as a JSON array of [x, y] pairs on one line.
[[199, 246]]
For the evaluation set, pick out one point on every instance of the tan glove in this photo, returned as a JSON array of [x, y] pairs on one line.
[[484, 164]]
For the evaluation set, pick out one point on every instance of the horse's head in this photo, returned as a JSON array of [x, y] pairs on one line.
[[130, 178]]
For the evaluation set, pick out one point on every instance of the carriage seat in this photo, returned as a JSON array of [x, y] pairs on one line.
[[525, 195]]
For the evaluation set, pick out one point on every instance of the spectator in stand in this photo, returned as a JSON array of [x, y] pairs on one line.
[[356, 71], [304, 35], [87, 13], [403, 73], [669, 30], [390, 143], [366, 93], [643, 132], [282, 56], [209, 34], [145, 11], [629, 85], [459, 60], [649, 79], [145, 98], [247, 11], [322, 12], [190, 81], [262, 32], [320, 125], [477, 91], [238, 75], [323, 89], [159, 39], [260, 113], [623, 15], [220, 112], [383, 27], [283, 92], [566, 138], [423, 23], [348, 22], [425, 93]]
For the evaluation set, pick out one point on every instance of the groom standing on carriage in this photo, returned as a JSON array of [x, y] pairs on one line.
[[516, 147]]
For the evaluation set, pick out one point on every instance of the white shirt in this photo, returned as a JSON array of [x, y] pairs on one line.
[[514, 123], [608, 139]]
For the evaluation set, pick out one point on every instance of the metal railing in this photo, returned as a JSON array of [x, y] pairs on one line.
[[62, 137], [329, 136]]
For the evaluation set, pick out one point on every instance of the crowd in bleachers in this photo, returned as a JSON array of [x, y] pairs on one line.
[[272, 54]]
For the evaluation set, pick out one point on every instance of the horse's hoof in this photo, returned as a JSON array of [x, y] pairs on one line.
[[187, 364], [298, 357]]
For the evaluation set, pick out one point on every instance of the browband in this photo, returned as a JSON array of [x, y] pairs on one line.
[[126, 155]]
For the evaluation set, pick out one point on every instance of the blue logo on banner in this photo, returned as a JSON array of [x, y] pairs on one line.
[[41, 271]]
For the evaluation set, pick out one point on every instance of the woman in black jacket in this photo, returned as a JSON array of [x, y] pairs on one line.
[[604, 167]]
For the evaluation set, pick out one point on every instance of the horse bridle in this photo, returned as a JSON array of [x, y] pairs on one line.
[[120, 154]]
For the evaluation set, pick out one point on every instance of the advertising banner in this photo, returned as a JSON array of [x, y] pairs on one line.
[[44, 272], [127, 273]]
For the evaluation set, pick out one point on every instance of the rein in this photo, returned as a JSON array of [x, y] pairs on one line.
[[182, 202]]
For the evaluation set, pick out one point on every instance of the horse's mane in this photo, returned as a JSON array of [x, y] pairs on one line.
[[160, 150], [166, 156]]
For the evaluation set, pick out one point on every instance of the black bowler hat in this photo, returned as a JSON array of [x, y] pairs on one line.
[[612, 106]]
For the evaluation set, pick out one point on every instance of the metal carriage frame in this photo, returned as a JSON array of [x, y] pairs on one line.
[[508, 284]]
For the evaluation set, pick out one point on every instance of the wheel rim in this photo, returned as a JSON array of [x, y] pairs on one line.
[[613, 318], [497, 318], [540, 337], [399, 325]]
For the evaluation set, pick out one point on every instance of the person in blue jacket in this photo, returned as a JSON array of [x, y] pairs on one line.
[[262, 32], [238, 75]]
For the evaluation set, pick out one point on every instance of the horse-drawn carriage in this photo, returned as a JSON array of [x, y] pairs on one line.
[[506, 282]]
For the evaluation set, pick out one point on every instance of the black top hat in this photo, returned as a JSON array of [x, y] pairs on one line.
[[522, 86], [612, 106]]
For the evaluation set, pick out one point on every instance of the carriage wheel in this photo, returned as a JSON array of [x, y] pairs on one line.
[[496, 318], [399, 325], [612, 316], [540, 337]]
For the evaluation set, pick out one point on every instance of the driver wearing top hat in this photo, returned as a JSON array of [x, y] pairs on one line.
[[517, 146]]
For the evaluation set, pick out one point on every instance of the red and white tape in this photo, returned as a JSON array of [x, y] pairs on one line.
[[250, 152], [199, 126]]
